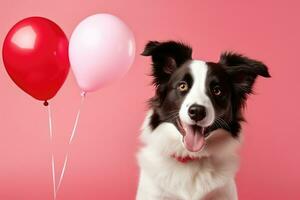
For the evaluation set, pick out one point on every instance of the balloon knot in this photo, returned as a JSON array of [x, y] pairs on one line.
[[46, 103], [83, 94]]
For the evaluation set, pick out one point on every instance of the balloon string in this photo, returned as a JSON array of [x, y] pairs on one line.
[[52, 156], [77, 118], [71, 139], [53, 177], [50, 123], [62, 171]]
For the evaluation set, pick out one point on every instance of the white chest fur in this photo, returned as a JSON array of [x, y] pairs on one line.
[[162, 177]]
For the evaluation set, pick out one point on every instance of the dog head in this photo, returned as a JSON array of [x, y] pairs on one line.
[[199, 97]]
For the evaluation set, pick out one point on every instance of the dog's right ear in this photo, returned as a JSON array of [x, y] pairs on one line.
[[243, 72], [166, 58]]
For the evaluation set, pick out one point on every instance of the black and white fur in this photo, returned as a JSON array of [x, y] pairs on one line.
[[196, 113]]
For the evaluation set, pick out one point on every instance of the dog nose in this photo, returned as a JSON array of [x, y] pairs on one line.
[[197, 112]]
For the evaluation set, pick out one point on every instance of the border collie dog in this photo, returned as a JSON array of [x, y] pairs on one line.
[[192, 131]]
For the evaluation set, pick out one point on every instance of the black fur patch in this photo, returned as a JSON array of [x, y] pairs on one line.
[[166, 58]]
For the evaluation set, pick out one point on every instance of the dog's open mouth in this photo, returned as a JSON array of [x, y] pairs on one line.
[[193, 136]]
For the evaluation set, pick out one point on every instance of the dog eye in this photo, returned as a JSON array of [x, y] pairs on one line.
[[182, 86], [216, 90]]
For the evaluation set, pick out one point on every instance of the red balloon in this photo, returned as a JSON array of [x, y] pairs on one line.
[[35, 55]]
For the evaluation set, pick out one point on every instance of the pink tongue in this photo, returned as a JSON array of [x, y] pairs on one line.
[[193, 139]]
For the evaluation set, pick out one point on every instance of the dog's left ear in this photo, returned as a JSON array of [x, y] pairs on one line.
[[166, 58], [243, 71]]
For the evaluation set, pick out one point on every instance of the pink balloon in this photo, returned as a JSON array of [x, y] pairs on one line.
[[101, 50]]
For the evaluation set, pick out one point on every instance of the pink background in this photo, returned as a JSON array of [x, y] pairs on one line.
[[102, 162]]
